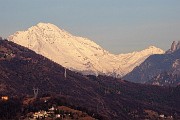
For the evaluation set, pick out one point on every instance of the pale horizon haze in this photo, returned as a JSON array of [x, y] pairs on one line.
[[119, 26]]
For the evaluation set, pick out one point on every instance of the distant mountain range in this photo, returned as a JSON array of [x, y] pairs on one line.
[[114, 99], [159, 69], [84, 56], [77, 53]]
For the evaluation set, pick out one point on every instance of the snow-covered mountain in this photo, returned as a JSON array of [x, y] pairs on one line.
[[77, 53]]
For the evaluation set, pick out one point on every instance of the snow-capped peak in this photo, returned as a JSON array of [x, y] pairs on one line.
[[153, 50], [77, 53], [46, 25]]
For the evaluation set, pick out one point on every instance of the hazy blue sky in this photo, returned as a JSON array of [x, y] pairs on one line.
[[119, 26]]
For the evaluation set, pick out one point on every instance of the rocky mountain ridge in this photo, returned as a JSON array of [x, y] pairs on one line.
[[170, 77], [174, 47], [159, 69]]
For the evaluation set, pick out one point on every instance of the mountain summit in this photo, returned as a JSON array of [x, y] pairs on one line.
[[77, 53]]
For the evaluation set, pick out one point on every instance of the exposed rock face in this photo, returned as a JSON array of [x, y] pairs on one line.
[[175, 46], [170, 77], [178, 45]]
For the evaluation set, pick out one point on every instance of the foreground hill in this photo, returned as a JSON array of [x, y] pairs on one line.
[[159, 69], [77, 53], [22, 69]]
